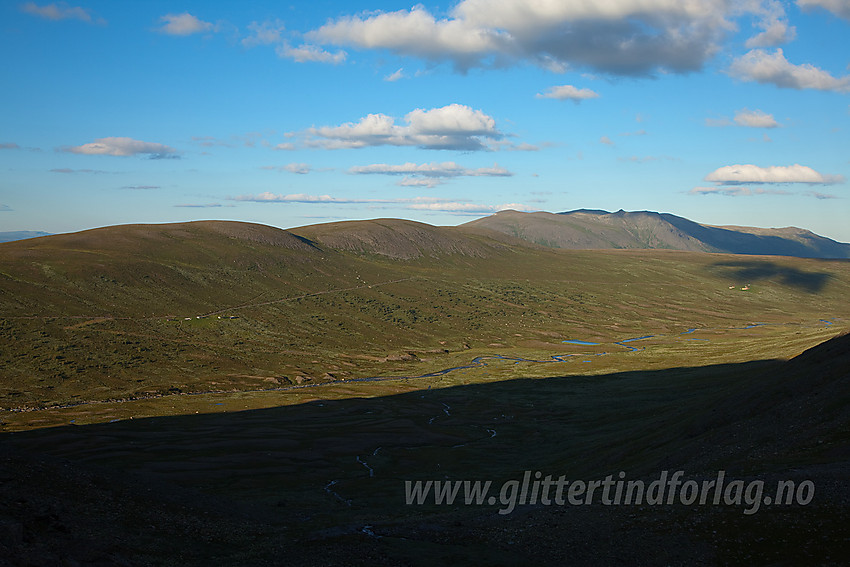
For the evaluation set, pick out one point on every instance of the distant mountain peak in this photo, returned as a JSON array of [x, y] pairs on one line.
[[599, 229]]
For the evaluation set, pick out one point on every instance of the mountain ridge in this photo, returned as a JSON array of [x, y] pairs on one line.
[[597, 229]]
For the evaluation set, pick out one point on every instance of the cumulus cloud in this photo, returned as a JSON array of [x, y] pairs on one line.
[[772, 68], [202, 205], [568, 92], [452, 127], [840, 8], [621, 37], [753, 174], [755, 119], [119, 146], [606, 140], [60, 11], [310, 54], [183, 24], [774, 22]]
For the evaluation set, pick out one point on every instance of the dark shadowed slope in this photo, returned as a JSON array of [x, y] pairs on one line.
[[323, 482], [592, 229]]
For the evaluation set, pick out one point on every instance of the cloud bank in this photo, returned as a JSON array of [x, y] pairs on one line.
[[119, 146], [772, 68], [748, 173], [619, 37]]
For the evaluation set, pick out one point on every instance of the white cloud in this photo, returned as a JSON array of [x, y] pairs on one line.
[[183, 24], [736, 191], [568, 92], [455, 127], [391, 78], [606, 140], [774, 22], [9, 146], [415, 203], [265, 33], [269, 197], [428, 174], [299, 168], [68, 170], [202, 206], [748, 173], [840, 8], [821, 196], [755, 119], [621, 37], [416, 32], [59, 11], [310, 53], [763, 67], [123, 147], [468, 208], [429, 182]]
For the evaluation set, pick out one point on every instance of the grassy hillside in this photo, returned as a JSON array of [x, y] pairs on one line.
[[154, 311]]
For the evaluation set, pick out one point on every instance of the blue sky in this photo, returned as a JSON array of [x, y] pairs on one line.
[[295, 113]]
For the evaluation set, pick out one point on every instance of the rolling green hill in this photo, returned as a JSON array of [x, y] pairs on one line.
[[149, 312]]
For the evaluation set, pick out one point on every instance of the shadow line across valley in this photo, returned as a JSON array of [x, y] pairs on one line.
[[325, 479]]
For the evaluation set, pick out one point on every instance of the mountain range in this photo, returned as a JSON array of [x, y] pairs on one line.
[[596, 229], [230, 393], [582, 229]]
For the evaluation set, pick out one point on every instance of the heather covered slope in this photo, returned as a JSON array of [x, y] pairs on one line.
[[591, 229], [150, 311], [406, 240]]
